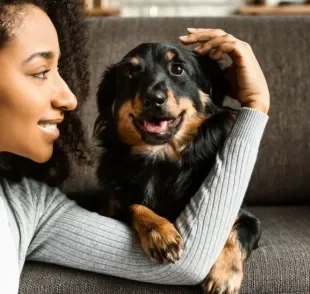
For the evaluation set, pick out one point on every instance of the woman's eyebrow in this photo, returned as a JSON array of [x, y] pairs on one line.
[[48, 55]]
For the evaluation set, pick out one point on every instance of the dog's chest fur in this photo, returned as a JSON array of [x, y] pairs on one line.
[[170, 186], [162, 185]]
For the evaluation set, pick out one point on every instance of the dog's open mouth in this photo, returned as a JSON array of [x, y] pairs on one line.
[[161, 128]]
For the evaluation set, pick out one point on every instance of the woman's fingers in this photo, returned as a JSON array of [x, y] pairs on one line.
[[217, 54], [237, 50], [201, 35], [249, 83], [220, 41], [214, 43]]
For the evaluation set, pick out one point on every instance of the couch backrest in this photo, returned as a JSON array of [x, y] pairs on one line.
[[282, 46]]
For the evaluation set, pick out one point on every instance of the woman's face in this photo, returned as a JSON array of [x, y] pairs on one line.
[[33, 96]]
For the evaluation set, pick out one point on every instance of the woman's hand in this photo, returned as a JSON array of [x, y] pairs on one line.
[[245, 75]]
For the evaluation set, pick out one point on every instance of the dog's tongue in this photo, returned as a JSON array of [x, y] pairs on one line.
[[158, 127]]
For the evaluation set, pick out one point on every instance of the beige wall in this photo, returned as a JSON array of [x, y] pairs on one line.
[[177, 7]]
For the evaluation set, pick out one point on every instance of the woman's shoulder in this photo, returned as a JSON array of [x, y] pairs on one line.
[[27, 191], [24, 185]]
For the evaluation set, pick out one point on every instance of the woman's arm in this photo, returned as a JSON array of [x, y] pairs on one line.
[[54, 229]]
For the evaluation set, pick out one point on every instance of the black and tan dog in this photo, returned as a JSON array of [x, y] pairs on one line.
[[160, 124]]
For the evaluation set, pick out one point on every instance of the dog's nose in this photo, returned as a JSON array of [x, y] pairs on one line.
[[155, 99]]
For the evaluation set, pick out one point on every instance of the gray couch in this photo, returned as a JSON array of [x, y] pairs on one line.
[[279, 192]]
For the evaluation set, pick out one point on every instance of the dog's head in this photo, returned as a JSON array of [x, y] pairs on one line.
[[158, 96]]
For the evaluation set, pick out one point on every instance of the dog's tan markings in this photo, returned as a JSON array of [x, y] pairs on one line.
[[172, 105], [191, 123], [134, 61], [203, 98], [126, 129], [159, 238], [137, 105], [169, 55], [227, 273]]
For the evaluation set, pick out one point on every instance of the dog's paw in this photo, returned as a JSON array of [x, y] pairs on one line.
[[226, 275], [162, 242]]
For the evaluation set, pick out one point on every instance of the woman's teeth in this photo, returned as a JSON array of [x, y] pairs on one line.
[[48, 127]]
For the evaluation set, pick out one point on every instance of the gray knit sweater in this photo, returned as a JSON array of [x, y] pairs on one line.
[[46, 226]]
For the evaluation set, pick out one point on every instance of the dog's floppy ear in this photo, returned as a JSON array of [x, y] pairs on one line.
[[213, 79], [105, 98], [107, 88]]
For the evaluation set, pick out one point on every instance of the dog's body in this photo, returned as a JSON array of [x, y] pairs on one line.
[[161, 125], [161, 184]]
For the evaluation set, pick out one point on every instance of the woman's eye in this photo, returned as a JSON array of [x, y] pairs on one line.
[[177, 69], [41, 75]]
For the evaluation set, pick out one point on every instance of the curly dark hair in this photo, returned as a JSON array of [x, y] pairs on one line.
[[68, 18]]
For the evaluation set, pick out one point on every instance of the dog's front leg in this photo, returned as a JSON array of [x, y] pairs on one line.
[[159, 237], [226, 275]]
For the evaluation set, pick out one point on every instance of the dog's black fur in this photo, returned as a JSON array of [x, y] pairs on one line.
[[163, 181]]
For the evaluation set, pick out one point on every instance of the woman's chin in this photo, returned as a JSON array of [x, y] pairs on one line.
[[42, 156]]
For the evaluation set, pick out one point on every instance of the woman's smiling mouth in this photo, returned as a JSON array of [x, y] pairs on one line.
[[50, 128]]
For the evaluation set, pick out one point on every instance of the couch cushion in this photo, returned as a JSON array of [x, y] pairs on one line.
[[51, 279], [281, 264]]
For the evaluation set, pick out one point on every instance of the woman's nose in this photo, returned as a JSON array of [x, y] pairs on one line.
[[63, 97]]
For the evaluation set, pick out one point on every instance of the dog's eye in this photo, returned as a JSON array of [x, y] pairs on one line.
[[177, 69], [132, 72]]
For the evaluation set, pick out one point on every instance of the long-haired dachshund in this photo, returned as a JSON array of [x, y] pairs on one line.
[[161, 123]]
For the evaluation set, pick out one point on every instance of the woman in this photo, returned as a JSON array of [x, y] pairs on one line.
[[39, 128]]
